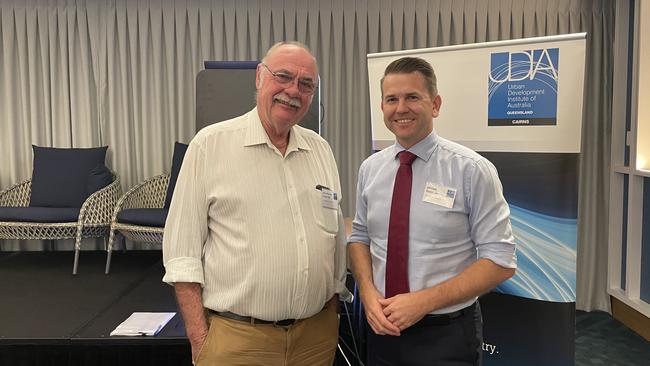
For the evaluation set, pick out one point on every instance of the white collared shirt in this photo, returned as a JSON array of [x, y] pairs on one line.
[[250, 226]]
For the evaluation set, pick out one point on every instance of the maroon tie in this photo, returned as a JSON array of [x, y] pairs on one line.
[[397, 275]]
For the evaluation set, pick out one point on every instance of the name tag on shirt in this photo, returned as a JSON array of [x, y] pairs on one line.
[[439, 195], [329, 199]]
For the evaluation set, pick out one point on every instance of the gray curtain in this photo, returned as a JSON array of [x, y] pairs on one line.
[[122, 73]]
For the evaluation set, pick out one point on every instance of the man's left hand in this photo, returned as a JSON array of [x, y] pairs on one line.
[[404, 310]]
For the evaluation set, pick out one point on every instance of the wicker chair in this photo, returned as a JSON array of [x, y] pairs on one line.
[[93, 222], [149, 194]]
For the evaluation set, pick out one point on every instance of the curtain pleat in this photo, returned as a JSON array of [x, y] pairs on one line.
[[594, 164], [122, 73]]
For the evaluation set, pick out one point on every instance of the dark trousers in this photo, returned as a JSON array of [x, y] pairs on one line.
[[433, 341]]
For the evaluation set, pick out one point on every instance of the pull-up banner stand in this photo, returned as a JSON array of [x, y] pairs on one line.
[[519, 104]]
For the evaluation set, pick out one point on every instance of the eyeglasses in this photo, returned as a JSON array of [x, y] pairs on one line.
[[304, 85]]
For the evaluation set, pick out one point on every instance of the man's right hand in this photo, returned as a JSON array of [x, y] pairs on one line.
[[190, 303], [375, 313], [197, 343], [359, 254]]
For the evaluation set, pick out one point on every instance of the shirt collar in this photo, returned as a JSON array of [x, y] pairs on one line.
[[423, 149], [256, 135]]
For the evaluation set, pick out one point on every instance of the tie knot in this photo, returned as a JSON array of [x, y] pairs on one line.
[[406, 157]]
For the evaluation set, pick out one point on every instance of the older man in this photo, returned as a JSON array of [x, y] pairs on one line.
[[254, 242], [431, 232]]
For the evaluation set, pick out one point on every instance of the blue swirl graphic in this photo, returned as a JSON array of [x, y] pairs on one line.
[[546, 257], [521, 69]]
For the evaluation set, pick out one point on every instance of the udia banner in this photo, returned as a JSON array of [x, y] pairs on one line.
[[522, 88]]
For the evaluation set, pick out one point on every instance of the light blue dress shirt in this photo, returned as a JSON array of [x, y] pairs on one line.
[[442, 241]]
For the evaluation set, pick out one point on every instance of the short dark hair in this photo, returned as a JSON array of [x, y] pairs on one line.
[[407, 65]]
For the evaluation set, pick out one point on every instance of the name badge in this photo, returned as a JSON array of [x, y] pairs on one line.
[[439, 195], [329, 199]]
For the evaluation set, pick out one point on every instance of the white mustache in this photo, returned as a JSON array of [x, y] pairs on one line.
[[284, 98]]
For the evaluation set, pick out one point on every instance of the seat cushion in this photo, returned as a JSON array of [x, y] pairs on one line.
[[39, 214], [60, 176], [177, 160], [154, 217]]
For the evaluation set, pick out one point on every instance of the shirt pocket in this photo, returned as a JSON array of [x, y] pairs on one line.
[[326, 218], [440, 225]]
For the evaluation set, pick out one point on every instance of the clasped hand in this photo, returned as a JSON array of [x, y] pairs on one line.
[[393, 315]]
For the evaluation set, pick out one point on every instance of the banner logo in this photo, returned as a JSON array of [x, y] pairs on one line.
[[522, 88]]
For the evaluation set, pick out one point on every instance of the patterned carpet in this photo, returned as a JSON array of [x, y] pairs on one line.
[[603, 340]]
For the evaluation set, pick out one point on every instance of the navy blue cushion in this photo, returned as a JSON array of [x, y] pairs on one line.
[[143, 216], [177, 160], [39, 214], [98, 178], [60, 176]]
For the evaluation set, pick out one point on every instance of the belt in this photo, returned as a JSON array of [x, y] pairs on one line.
[[253, 321], [441, 319]]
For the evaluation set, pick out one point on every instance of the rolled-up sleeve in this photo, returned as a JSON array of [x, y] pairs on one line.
[[359, 224], [186, 226], [490, 217]]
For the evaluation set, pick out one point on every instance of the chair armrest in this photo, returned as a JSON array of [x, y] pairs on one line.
[[98, 207], [148, 194], [17, 195]]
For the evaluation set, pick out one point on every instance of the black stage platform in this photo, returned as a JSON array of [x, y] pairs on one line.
[[48, 317]]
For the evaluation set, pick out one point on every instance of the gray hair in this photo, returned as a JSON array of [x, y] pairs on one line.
[[289, 43]]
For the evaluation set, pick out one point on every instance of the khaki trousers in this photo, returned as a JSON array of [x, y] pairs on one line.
[[309, 342]]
